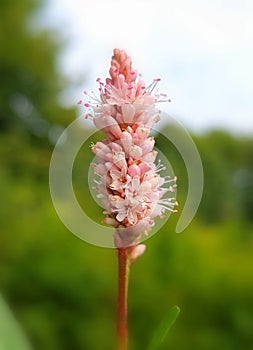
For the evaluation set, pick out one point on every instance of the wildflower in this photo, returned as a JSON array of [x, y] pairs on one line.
[[129, 183]]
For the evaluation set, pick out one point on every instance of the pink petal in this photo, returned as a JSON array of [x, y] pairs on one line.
[[128, 112]]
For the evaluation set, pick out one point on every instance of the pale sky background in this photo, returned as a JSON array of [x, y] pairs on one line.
[[202, 50]]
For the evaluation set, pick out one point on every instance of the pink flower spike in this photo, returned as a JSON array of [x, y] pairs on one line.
[[128, 180], [132, 191]]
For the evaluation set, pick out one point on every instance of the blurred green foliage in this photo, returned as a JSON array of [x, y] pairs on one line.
[[62, 290]]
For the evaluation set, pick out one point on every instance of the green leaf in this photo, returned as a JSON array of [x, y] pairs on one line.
[[164, 327], [11, 336]]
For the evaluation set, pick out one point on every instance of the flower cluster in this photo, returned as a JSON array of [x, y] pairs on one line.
[[129, 184]]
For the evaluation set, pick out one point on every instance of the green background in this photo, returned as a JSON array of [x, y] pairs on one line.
[[63, 291]]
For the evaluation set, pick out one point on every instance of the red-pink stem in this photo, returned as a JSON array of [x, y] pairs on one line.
[[123, 274]]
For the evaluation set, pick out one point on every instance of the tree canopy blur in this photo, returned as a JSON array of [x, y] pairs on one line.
[[31, 117], [30, 79], [62, 290]]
